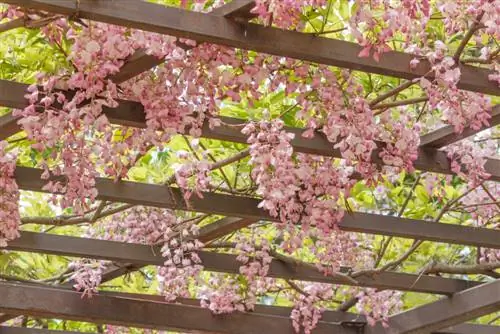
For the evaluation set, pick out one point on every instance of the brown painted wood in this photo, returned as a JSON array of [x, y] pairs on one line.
[[460, 329], [142, 255], [63, 304], [247, 207], [223, 227], [219, 30], [328, 316], [462, 306], [22, 330], [236, 9], [470, 329], [446, 135], [140, 61], [131, 113]]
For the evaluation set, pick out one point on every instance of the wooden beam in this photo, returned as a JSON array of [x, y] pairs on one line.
[[446, 135], [137, 63], [23, 330], [142, 255], [344, 318], [140, 61], [327, 316], [130, 113], [219, 30], [63, 304], [460, 329], [462, 306], [223, 227], [469, 329], [247, 207], [236, 9]]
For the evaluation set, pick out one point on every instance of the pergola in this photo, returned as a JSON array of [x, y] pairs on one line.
[[462, 300]]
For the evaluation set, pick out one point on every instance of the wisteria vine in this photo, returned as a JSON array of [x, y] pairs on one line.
[[307, 194]]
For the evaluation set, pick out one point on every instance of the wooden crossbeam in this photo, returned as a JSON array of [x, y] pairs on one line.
[[247, 207], [460, 329], [236, 9], [141, 61], [219, 30], [63, 304], [130, 113], [344, 318], [462, 306], [142, 255], [23, 330], [469, 329], [446, 135]]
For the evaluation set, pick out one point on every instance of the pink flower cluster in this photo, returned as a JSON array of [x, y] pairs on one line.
[[303, 191], [467, 161], [221, 294], [182, 263], [192, 175], [476, 203], [378, 305], [87, 275], [306, 312], [403, 143], [9, 197], [284, 13]]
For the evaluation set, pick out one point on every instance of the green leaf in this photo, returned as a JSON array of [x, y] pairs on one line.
[[421, 193]]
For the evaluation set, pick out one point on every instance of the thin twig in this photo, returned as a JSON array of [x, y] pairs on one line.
[[219, 168], [383, 107], [12, 24], [474, 27], [400, 213], [483, 268], [490, 195], [98, 211], [392, 92]]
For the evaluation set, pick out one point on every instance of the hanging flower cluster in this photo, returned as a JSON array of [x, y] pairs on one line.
[[87, 275], [377, 305], [191, 174], [307, 194], [182, 263], [403, 143], [284, 13], [304, 191], [306, 312], [468, 161], [9, 197]]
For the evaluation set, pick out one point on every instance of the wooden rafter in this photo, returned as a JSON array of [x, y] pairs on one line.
[[470, 299], [247, 207], [459, 329], [141, 255], [130, 113], [141, 61], [111, 307], [219, 30], [462, 306], [64, 304], [446, 135], [22, 330]]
